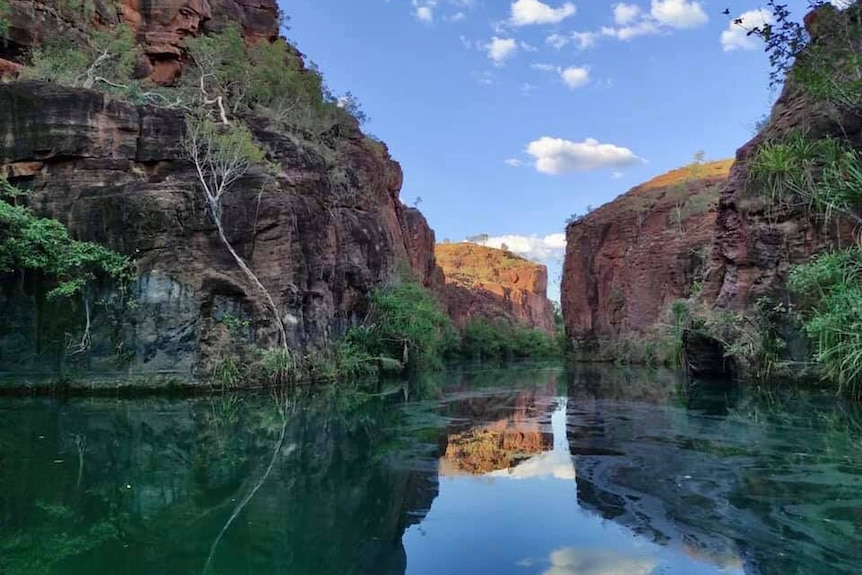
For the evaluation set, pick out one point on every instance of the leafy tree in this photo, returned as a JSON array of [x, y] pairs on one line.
[[404, 323], [223, 154], [31, 243], [106, 60]]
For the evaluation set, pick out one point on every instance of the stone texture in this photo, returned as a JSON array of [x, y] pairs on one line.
[[753, 247], [483, 282], [160, 26], [629, 259], [322, 233]]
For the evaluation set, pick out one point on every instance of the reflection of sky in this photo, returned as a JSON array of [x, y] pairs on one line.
[[556, 463], [526, 521]]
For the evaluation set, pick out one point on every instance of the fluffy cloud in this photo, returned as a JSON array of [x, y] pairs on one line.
[[575, 76], [423, 10], [645, 27], [736, 36], [537, 248], [583, 40], [501, 49], [630, 21], [528, 12], [625, 14], [558, 156], [678, 13]]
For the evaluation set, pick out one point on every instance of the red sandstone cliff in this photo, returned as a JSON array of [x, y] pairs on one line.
[[629, 259], [754, 242], [160, 26], [483, 282], [321, 233]]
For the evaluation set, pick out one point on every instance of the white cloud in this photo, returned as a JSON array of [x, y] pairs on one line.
[[557, 40], [528, 12], [678, 13], [465, 42], [526, 47], [423, 10], [527, 89], [617, 175], [575, 76], [736, 36], [643, 28], [514, 162], [538, 248], [501, 49], [456, 17], [625, 14], [558, 156], [584, 39]]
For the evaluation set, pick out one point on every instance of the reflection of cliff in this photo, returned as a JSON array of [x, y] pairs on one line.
[[499, 431], [716, 488], [158, 480]]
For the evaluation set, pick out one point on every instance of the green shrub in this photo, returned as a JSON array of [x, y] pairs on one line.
[[4, 20], [485, 340], [106, 61], [830, 290], [31, 243], [405, 324]]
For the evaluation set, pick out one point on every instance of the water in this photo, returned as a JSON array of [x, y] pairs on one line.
[[524, 471]]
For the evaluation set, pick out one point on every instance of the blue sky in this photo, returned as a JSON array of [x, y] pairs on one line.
[[507, 116]]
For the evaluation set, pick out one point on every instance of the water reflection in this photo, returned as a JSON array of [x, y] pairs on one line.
[[523, 471]]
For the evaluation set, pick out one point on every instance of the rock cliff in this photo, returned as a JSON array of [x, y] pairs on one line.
[[483, 282], [320, 233], [756, 242], [160, 26], [629, 259]]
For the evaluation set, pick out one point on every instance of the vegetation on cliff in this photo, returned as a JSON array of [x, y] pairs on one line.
[[793, 174]]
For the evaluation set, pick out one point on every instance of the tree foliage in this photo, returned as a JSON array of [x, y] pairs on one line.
[[4, 20], [31, 243], [106, 60]]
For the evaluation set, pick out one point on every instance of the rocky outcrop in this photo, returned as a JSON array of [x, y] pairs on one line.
[[159, 26], [320, 234], [483, 282], [756, 242], [629, 259]]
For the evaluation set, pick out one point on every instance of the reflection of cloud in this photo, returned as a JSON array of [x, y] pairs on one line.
[[573, 561], [551, 463]]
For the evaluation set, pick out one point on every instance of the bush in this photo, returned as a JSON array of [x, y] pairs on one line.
[[106, 61], [404, 324], [31, 243], [485, 340], [830, 290]]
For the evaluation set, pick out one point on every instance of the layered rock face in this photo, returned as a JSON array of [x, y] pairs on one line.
[[629, 259], [483, 282], [160, 26], [320, 234], [755, 243]]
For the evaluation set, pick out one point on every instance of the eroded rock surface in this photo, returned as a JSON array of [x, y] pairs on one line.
[[483, 282], [322, 233], [629, 259]]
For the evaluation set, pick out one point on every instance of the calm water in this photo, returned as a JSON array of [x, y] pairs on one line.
[[525, 471]]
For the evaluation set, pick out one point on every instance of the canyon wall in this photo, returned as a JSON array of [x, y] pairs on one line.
[[628, 260], [320, 232], [483, 282]]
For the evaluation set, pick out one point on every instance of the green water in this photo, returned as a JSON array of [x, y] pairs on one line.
[[523, 471]]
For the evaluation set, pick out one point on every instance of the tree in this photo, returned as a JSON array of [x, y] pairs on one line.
[[4, 22], [504, 246], [107, 59], [222, 73], [31, 243], [478, 239], [222, 154]]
